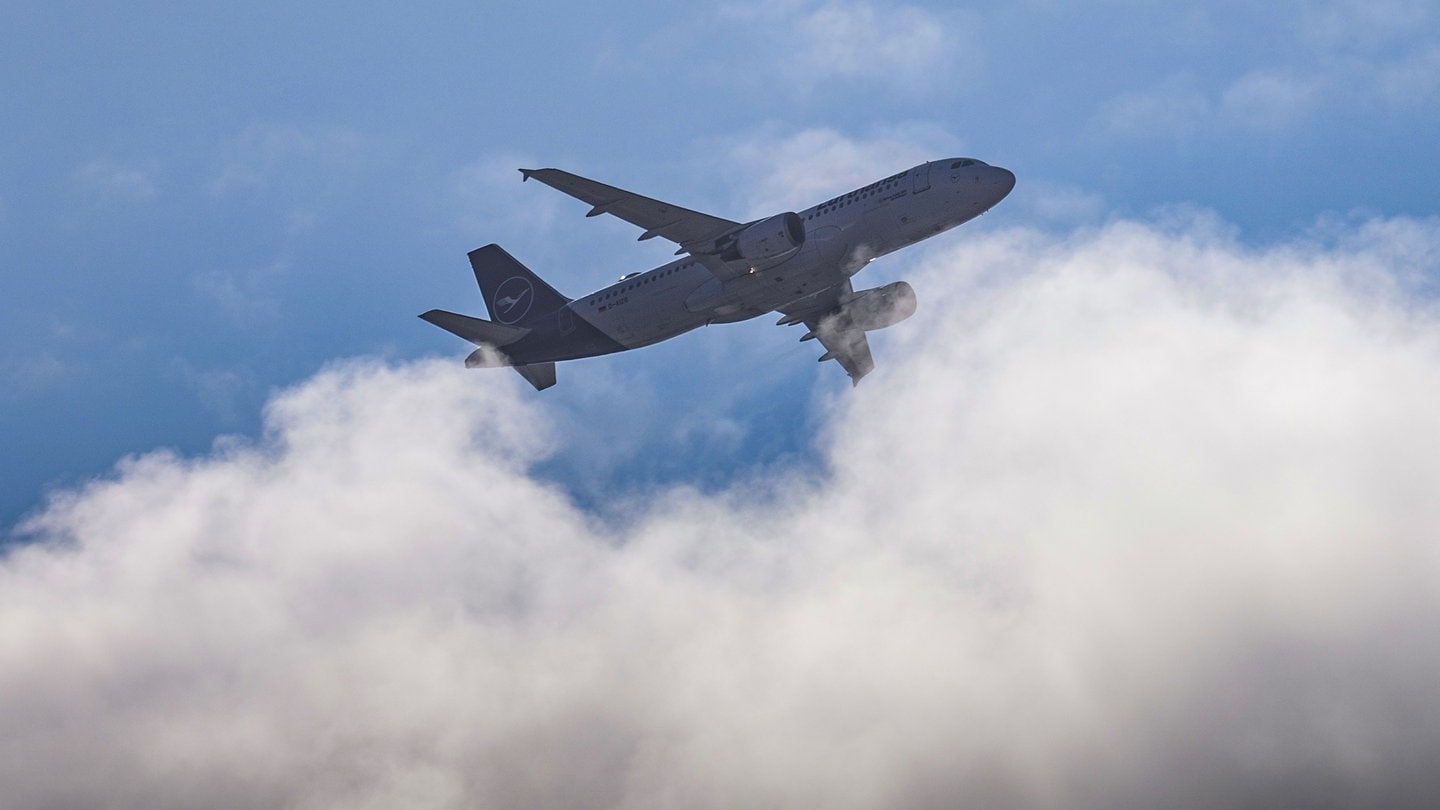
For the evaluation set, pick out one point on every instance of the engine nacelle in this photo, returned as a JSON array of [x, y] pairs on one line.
[[879, 307], [769, 238]]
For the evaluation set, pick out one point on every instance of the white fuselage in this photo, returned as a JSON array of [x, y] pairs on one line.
[[842, 235]]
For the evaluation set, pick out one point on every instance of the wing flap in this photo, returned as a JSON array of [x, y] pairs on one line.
[[849, 348], [691, 230], [843, 342]]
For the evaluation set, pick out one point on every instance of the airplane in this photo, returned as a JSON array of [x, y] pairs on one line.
[[798, 263]]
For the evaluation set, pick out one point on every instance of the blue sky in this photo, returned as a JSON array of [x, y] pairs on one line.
[[201, 204], [1137, 510]]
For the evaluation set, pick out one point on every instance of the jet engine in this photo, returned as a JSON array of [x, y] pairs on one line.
[[879, 307], [768, 239]]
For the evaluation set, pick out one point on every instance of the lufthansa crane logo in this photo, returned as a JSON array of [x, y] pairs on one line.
[[513, 299]]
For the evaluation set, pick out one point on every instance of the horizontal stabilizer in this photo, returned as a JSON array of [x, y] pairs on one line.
[[477, 331], [540, 375]]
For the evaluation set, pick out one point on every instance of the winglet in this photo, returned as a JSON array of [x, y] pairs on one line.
[[525, 174]]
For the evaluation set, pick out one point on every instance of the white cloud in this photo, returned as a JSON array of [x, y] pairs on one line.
[[1175, 109], [60, 351], [1411, 83], [243, 294], [28, 374], [489, 198], [1362, 23], [1128, 517], [779, 171], [115, 178], [1273, 100], [221, 391], [267, 153], [1056, 204], [902, 48], [1266, 100], [1329, 65]]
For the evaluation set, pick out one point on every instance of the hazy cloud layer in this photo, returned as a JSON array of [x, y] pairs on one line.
[[118, 179], [897, 47], [1328, 62], [788, 170], [266, 154], [1133, 517], [1362, 23]]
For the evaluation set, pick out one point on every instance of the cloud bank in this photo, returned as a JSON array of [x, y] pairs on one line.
[[1131, 517]]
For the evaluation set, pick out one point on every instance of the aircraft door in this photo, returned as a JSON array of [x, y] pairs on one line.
[[567, 321], [922, 178]]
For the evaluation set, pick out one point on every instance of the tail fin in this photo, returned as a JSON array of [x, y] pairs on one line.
[[514, 295]]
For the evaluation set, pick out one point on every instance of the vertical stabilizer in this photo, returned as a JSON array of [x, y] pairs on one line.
[[514, 295]]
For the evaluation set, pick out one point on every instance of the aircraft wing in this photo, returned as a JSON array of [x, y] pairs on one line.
[[691, 230], [843, 342], [850, 348]]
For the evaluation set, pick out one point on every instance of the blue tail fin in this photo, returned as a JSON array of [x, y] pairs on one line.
[[514, 295]]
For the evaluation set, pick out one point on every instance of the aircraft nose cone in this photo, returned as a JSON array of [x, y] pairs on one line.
[[1004, 180]]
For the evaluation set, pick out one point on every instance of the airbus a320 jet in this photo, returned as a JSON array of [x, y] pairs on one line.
[[798, 263]]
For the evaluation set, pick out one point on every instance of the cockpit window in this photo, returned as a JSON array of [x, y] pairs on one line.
[[962, 163]]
